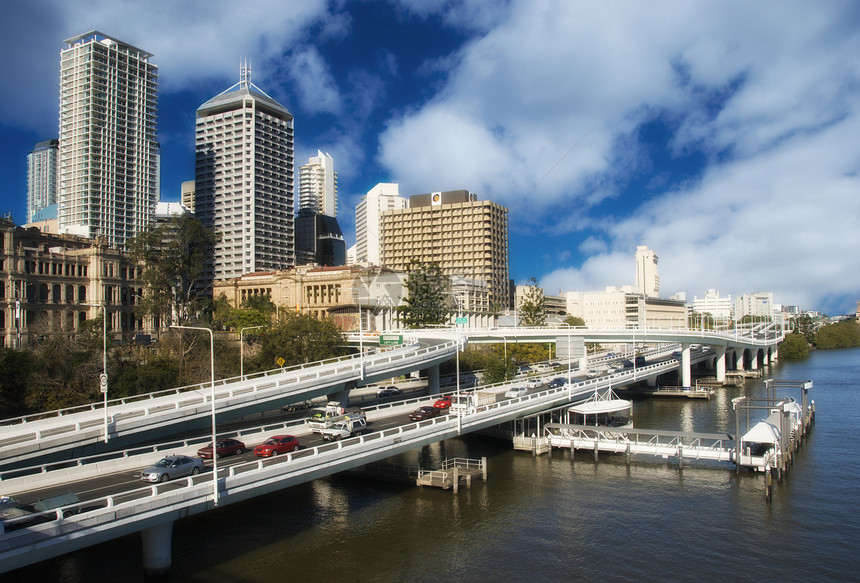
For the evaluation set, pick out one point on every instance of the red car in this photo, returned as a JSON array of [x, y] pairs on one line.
[[422, 413], [443, 402], [275, 445], [223, 447]]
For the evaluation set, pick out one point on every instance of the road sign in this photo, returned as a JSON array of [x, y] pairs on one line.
[[280, 361], [390, 339], [103, 383], [462, 320]]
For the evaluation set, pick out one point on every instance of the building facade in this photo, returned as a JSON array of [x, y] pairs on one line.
[[385, 196], [319, 240], [51, 283], [647, 273], [464, 236], [318, 185], [755, 305], [42, 180], [108, 153], [244, 180], [720, 308], [336, 293]]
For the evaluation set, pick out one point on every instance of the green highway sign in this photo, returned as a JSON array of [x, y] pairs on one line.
[[390, 339], [462, 320]]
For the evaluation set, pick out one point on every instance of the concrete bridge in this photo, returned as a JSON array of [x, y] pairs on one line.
[[152, 509]]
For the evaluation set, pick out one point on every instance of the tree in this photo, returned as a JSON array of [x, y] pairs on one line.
[[575, 321], [533, 307], [297, 340], [844, 334], [794, 347], [256, 310], [424, 304], [806, 326], [173, 256]]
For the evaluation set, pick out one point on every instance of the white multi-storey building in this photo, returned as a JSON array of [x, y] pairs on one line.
[[42, 178], [757, 305], [244, 180], [108, 160], [318, 185], [713, 304], [384, 196], [647, 277]]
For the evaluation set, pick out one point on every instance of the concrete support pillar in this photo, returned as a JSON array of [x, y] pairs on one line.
[[341, 397], [765, 360], [651, 381], [156, 542], [753, 359], [433, 380], [720, 364], [686, 373]]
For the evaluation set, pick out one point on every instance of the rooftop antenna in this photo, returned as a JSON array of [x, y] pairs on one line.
[[245, 73]]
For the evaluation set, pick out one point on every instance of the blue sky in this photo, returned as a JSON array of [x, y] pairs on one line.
[[722, 135]]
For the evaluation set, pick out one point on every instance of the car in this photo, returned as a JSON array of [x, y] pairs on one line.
[[173, 466], [224, 447], [627, 363], [640, 361], [557, 382], [532, 383], [422, 413], [443, 402], [391, 391], [277, 444], [515, 392]]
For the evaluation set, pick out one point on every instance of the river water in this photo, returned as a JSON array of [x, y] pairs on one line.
[[545, 518]]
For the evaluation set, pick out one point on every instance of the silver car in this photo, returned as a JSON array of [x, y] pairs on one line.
[[173, 466]]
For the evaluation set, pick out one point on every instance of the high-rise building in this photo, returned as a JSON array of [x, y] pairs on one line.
[[318, 185], [464, 236], [108, 150], [188, 194], [42, 178], [244, 180], [382, 197], [319, 240], [647, 278]]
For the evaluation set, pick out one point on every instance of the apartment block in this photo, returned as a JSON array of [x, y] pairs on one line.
[[318, 185], [244, 180], [385, 196], [43, 180], [108, 153], [466, 237]]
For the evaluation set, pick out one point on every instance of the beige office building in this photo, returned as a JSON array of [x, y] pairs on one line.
[[464, 236]]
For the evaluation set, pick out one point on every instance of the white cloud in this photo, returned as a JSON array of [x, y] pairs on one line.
[[768, 96]]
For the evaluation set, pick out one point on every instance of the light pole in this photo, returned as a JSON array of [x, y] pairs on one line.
[[212, 371], [103, 378], [357, 296], [457, 371], [242, 350]]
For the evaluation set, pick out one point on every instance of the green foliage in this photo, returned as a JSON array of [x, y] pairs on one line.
[[844, 334], [255, 311], [299, 339], [532, 309], [173, 255], [498, 370], [794, 347], [806, 326], [425, 303], [575, 321], [15, 366]]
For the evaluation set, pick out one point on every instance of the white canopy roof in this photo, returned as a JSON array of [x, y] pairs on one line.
[[762, 432], [602, 403]]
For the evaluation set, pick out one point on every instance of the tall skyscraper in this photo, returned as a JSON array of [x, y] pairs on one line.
[[318, 185], [42, 178], [647, 278], [108, 150], [244, 179], [465, 236], [383, 197]]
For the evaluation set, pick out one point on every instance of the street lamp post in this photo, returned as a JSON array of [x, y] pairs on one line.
[[212, 372], [103, 378], [242, 350], [357, 296]]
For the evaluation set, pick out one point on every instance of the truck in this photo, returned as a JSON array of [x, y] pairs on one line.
[[347, 427], [467, 403], [324, 417]]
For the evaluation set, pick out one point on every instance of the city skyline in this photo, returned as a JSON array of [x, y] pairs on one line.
[[720, 136]]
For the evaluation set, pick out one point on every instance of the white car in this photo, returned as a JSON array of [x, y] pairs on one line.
[[515, 392], [533, 383]]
